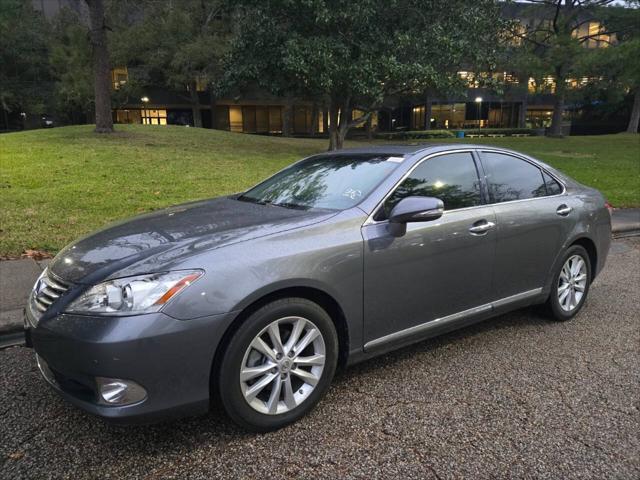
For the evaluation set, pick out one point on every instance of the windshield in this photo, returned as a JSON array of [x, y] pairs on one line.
[[330, 182]]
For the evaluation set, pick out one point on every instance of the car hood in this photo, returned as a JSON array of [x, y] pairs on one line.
[[192, 227]]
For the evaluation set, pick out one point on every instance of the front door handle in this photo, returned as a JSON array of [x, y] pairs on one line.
[[481, 227], [564, 210]]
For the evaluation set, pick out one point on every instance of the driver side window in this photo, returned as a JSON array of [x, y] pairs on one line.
[[453, 178]]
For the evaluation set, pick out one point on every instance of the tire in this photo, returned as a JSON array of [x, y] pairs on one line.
[[252, 349], [566, 309]]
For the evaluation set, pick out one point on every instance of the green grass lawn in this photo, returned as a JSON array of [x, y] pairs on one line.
[[58, 184]]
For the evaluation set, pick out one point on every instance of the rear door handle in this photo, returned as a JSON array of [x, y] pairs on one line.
[[481, 227], [564, 210]]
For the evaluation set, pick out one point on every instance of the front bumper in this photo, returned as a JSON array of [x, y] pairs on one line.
[[170, 358]]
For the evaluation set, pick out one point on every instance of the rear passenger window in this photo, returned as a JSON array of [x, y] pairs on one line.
[[452, 177], [510, 178], [553, 186]]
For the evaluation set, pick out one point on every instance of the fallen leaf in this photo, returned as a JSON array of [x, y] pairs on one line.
[[36, 254], [16, 455]]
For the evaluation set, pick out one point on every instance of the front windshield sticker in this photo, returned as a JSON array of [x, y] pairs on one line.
[[352, 194], [395, 159]]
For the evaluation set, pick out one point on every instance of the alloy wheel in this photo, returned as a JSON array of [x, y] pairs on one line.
[[282, 365], [572, 283]]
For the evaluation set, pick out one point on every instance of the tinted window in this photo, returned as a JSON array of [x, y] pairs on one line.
[[331, 182], [553, 187], [510, 178], [452, 178]]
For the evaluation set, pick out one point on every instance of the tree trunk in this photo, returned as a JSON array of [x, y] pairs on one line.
[[558, 110], [333, 125], [313, 128], [428, 111], [343, 128], [635, 113], [522, 113], [558, 104], [287, 117], [101, 70], [325, 120], [195, 105], [369, 128]]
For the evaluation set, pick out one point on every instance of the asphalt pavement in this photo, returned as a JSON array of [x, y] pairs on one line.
[[514, 397]]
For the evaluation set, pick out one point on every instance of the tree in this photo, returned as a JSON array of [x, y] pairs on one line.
[[523, 64], [355, 54], [177, 44], [619, 66], [24, 75], [70, 60], [558, 38], [101, 69]]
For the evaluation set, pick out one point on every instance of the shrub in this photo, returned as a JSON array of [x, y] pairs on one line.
[[498, 131], [415, 135]]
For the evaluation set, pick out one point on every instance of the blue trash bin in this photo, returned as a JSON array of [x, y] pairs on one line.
[[460, 134]]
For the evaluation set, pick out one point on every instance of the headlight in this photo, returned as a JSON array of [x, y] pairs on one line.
[[133, 295]]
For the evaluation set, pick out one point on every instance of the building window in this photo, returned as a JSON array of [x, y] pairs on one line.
[[355, 115], [539, 117], [262, 119], [417, 118], [249, 119], [201, 84], [119, 77], [235, 119], [154, 117], [128, 116], [275, 119]]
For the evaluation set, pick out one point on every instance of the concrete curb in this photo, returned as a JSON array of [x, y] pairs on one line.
[[625, 222]]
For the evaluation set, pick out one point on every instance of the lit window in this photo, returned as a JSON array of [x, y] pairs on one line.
[[235, 119], [201, 84], [154, 117], [119, 76]]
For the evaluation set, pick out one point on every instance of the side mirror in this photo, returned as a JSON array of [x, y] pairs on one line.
[[414, 209]]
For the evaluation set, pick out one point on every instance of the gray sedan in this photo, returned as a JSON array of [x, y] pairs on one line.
[[256, 298]]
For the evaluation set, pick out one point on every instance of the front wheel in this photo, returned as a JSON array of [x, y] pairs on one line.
[[278, 364], [570, 284]]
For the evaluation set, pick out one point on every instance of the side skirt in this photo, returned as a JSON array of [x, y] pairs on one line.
[[449, 323]]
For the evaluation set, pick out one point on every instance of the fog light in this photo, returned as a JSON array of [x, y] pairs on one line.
[[115, 391]]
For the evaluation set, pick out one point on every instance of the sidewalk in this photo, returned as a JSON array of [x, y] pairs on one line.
[[18, 276], [16, 281]]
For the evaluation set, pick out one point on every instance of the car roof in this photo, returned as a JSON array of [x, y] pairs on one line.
[[408, 149]]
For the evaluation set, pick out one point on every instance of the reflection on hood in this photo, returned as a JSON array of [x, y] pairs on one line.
[[191, 227]]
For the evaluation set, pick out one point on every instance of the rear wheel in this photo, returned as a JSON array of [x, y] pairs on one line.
[[570, 284], [278, 364]]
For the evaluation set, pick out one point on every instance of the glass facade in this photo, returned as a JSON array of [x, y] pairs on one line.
[[443, 116]]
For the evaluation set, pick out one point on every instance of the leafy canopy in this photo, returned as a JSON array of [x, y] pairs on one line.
[[358, 51]]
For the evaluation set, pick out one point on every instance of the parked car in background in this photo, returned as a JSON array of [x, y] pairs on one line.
[[257, 298]]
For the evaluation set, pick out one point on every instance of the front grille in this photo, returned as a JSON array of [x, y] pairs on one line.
[[47, 290]]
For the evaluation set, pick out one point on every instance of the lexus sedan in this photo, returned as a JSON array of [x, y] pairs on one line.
[[255, 299]]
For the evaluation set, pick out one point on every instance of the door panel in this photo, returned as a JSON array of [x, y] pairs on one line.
[[529, 236], [436, 269], [532, 219]]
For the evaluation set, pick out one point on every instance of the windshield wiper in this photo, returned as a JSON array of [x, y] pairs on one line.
[[294, 206], [260, 201], [244, 198]]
